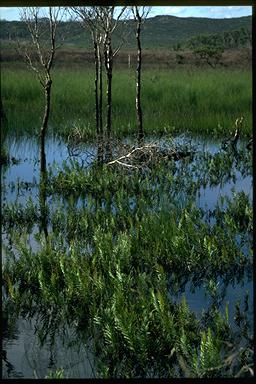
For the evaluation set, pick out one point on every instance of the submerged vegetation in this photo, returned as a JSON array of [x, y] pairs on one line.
[[118, 255]]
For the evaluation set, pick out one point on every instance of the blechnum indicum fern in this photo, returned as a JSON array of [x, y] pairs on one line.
[[217, 355]]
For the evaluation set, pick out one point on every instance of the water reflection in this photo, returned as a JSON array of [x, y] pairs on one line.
[[26, 357]]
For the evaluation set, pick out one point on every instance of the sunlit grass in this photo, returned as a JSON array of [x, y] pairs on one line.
[[205, 102]]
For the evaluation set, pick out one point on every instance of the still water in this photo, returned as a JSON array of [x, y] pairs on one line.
[[23, 354]]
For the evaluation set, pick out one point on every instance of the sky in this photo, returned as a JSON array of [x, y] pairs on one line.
[[12, 13]]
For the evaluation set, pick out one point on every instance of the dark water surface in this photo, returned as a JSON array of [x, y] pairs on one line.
[[24, 356]]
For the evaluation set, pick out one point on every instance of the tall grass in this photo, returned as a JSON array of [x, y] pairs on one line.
[[180, 100]]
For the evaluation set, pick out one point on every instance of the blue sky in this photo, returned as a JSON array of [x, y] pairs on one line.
[[12, 13]]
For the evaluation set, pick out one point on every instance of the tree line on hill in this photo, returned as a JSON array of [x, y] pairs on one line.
[[210, 47], [158, 32], [226, 40]]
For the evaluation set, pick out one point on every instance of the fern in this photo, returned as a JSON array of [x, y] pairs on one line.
[[126, 333], [108, 335], [209, 353]]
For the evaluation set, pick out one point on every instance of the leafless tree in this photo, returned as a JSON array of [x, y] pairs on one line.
[[39, 56], [102, 21], [140, 15], [91, 21], [109, 20]]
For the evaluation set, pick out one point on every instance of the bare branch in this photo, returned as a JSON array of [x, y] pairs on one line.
[[123, 164], [138, 149], [43, 37], [141, 13]]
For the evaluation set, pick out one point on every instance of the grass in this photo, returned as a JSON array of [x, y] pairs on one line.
[[180, 100]]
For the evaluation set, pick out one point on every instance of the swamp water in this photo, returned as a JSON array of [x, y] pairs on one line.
[[25, 355]]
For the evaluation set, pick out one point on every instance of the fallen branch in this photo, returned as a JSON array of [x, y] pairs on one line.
[[131, 153], [145, 154], [124, 164]]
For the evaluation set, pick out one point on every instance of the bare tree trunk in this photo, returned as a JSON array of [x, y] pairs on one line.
[[138, 83], [47, 91], [100, 96], [43, 170], [42, 204], [109, 112], [96, 82], [109, 67], [98, 101], [100, 135]]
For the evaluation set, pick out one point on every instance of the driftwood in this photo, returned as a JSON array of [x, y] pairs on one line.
[[142, 156]]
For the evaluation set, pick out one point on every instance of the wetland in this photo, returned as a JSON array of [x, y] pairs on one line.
[[140, 268], [127, 243]]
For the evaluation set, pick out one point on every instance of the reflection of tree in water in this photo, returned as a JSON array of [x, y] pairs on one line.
[[10, 369], [44, 353], [61, 349], [9, 332]]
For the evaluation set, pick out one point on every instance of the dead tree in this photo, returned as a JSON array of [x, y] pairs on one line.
[[109, 25], [140, 14], [91, 21], [39, 56]]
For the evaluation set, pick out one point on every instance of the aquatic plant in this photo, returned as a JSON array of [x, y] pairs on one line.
[[122, 246], [58, 374], [135, 262]]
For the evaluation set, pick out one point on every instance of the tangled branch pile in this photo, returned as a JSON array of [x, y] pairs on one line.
[[148, 154]]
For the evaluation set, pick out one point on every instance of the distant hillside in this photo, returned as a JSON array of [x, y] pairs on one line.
[[158, 32], [163, 31]]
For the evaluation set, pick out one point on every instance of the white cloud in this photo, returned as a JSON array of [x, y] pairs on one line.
[[173, 10]]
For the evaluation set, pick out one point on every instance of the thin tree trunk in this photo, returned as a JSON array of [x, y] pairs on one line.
[[109, 64], [97, 101], [44, 126], [100, 137], [109, 111], [100, 95], [43, 173], [96, 81], [138, 84], [42, 204]]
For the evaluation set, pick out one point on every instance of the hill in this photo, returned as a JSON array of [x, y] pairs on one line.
[[164, 31], [158, 32]]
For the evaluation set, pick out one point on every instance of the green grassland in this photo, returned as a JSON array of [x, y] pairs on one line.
[[188, 100]]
